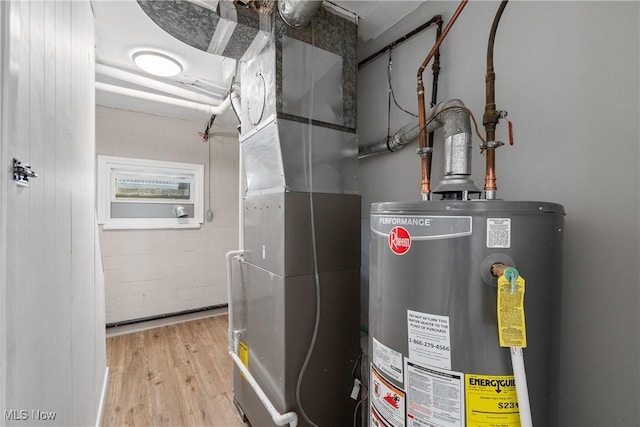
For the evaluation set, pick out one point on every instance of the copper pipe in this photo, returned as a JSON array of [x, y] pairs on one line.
[[491, 115], [425, 155], [498, 269]]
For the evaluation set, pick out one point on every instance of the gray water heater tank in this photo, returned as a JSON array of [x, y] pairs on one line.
[[435, 359]]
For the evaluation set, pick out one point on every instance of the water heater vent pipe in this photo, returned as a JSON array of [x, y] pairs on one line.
[[298, 13], [424, 152]]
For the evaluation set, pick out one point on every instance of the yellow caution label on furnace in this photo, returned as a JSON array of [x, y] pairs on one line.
[[491, 401], [243, 354], [511, 324]]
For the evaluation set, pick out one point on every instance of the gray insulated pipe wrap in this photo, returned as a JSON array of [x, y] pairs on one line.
[[411, 131]]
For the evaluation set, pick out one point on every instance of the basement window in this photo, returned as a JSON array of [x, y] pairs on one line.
[[148, 194]]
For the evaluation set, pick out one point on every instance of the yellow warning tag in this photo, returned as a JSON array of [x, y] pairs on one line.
[[243, 354], [511, 324], [491, 401]]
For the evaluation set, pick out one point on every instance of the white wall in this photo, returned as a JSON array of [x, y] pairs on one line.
[[568, 73], [151, 272], [52, 329]]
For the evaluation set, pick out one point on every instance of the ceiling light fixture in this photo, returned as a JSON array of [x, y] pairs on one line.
[[157, 64]]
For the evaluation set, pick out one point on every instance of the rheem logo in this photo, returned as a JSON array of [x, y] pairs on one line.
[[399, 240]]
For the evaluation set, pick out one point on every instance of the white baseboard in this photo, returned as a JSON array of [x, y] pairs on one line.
[[103, 397]]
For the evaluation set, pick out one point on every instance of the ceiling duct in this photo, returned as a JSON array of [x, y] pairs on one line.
[[231, 30], [298, 13]]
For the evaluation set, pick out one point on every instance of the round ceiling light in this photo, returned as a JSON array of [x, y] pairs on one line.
[[157, 64]]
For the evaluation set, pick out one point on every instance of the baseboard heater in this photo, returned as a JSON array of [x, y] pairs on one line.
[[164, 316]]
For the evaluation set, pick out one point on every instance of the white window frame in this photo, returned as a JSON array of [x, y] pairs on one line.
[[106, 188]]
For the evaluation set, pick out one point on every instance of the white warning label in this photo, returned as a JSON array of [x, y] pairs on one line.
[[387, 400], [435, 397], [498, 232], [387, 360], [429, 342]]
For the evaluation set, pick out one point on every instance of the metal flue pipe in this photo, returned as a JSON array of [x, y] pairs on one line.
[[424, 151], [298, 13], [411, 131], [491, 115]]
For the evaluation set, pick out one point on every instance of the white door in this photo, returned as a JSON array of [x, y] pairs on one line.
[[51, 342]]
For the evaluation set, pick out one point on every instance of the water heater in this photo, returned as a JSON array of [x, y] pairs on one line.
[[435, 359]]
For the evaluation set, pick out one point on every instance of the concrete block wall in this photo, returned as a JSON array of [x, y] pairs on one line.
[[152, 272]]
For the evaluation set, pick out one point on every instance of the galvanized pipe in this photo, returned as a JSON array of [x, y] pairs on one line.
[[298, 13], [411, 131]]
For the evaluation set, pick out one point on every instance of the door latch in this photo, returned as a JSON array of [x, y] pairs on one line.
[[22, 172]]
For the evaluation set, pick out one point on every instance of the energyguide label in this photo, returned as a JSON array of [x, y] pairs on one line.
[[492, 401]]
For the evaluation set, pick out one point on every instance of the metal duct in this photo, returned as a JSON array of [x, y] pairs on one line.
[[232, 31], [456, 122], [411, 131], [298, 13]]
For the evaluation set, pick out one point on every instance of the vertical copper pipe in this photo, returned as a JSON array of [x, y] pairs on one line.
[[425, 157], [491, 115]]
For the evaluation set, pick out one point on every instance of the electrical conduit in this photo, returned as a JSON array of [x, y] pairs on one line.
[[290, 418]]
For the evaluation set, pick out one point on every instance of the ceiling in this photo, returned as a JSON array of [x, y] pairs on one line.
[[123, 28]]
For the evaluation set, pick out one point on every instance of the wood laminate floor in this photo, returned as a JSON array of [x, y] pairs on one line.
[[177, 375]]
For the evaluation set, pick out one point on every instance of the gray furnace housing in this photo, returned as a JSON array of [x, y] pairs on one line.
[[445, 272], [301, 223]]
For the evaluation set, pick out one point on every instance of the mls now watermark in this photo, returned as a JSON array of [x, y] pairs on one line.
[[25, 415]]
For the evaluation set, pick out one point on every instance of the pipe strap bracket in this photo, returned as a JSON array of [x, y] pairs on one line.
[[491, 144], [424, 151]]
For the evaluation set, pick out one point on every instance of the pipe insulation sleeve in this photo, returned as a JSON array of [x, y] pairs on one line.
[[196, 106]]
